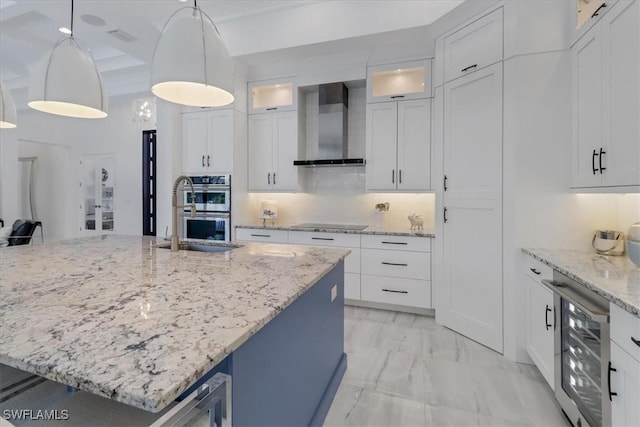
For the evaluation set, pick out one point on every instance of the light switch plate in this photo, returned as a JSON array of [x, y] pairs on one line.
[[334, 292]]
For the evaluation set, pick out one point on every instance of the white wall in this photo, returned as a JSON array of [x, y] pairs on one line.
[[9, 174]]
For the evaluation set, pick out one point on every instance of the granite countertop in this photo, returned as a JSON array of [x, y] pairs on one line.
[[615, 278], [118, 317], [382, 231]]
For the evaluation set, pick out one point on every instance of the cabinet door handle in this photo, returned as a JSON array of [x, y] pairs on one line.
[[609, 381], [394, 291], [394, 263], [208, 162], [445, 183], [464, 70], [393, 176], [397, 96], [400, 176], [598, 10], [321, 238], [600, 160], [546, 317], [260, 235], [635, 341], [203, 160], [534, 271], [395, 243], [445, 215], [274, 178], [272, 108], [269, 178], [593, 161]]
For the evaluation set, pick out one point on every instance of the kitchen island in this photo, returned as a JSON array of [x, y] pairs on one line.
[[121, 318]]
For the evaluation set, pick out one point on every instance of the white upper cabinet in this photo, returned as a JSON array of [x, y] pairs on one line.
[[473, 47], [606, 101], [398, 138], [273, 95], [399, 81], [273, 146], [588, 12], [208, 141]]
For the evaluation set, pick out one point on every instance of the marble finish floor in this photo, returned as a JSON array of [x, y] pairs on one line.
[[405, 370]]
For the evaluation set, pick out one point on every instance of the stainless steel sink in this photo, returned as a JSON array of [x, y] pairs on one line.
[[202, 247]]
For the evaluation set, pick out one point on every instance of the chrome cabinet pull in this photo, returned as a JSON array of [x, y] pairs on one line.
[[598, 10], [394, 291], [611, 393], [393, 263], [464, 70]]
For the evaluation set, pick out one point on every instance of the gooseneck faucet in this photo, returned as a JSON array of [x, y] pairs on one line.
[[175, 239]]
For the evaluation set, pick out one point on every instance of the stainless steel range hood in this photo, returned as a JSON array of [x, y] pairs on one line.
[[333, 112]]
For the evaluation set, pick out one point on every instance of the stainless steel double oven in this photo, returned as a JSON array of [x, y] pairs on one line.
[[212, 197], [582, 352]]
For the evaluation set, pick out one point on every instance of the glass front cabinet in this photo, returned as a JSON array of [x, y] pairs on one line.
[[97, 193], [399, 81]]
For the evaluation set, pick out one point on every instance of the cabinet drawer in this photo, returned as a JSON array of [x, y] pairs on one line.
[[391, 290], [536, 269], [324, 239], [625, 328], [352, 286], [409, 265], [473, 47], [262, 235], [397, 243]]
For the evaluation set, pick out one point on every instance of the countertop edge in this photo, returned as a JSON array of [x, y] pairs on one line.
[[372, 232], [627, 306]]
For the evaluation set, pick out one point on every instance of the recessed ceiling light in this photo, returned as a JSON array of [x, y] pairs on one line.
[[64, 30]]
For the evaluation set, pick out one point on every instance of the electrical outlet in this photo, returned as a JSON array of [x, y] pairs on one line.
[[334, 292]]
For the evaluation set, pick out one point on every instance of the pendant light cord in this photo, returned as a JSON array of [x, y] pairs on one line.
[[72, 18]]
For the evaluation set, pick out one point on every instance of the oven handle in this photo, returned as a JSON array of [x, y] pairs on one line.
[[578, 300]]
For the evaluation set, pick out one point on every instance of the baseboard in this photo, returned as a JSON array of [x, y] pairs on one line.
[[381, 306]]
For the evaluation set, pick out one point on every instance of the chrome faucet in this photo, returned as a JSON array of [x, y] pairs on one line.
[[175, 239]]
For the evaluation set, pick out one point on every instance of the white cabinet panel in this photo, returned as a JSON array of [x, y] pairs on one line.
[[194, 138], [540, 321], [208, 141], [381, 140], [351, 285], [410, 265], [325, 239], [625, 328], [393, 290], [414, 145], [473, 47], [258, 235], [397, 243], [260, 147], [625, 381]]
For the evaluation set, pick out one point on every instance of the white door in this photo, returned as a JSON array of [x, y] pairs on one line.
[[625, 381], [381, 141], [97, 193], [194, 138], [587, 110], [285, 145], [260, 156], [621, 94], [540, 327], [472, 234], [220, 141], [414, 145]]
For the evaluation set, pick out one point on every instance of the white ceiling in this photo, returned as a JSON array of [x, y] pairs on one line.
[[256, 32]]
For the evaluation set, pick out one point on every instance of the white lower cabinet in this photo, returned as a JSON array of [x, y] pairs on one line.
[[352, 286], [625, 368], [540, 318], [262, 235], [396, 270]]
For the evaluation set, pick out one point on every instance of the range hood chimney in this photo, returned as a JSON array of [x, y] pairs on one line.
[[333, 112]]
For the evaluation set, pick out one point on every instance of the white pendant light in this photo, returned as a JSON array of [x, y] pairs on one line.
[[67, 82], [191, 65], [7, 109]]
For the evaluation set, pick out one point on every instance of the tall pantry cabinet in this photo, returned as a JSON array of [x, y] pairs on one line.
[[470, 297]]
